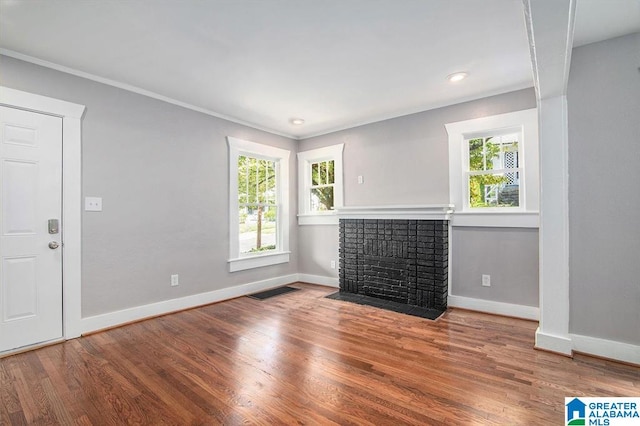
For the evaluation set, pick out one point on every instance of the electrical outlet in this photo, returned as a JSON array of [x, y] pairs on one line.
[[486, 280], [360, 179], [175, 280], [333, 264], [93, 204]]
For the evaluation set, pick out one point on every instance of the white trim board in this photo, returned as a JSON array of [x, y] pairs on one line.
[[497, 220], [610, 349], [492, 307], [584, 344], [137, 313], [318, 219], [560, 344], [138, 90], [71, 195], [412, 212], [567, 345], [319, 280]]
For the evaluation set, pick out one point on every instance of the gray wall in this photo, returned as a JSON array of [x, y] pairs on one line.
[[318, 246], [508, 255], [604, 189], [405, 161], [163, 174]]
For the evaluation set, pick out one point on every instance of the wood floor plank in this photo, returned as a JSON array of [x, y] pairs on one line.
[[300, 358], [56, 401]]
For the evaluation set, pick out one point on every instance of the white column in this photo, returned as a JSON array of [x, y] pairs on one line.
[[550, 29], [553, 329]]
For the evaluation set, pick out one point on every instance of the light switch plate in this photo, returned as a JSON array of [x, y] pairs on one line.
[[93, 204]]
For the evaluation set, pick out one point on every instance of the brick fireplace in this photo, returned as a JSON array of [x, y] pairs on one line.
[[396, 254]]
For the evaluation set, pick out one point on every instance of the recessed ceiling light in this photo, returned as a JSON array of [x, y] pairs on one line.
[[457, 76], [296, 121]]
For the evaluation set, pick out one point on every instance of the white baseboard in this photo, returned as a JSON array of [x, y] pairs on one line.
[[113, 319], [588, 345], [320, 280], [553, 343], [606, 348], [492, 307]]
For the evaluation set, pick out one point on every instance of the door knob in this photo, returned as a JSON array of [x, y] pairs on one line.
[[53, 245]]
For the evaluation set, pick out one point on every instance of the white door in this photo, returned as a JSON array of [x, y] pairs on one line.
[[30, 256]]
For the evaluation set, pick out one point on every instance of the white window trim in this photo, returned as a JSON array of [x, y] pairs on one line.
[[305, 159], [237, 148], [527, 214]]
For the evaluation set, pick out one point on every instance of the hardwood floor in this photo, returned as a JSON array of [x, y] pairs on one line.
[[302, 359]]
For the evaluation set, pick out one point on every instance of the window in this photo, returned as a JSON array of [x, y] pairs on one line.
[[257, 206], [493, 175], [323, 181], [259, 195], [493, 170], [319, 185]]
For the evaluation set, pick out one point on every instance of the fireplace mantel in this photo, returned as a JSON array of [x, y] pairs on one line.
[[410, 212]]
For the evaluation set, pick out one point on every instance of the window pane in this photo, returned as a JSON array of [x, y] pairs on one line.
[[315, 174], [322, 199], [270, 187], [331, 176], [493, 159], [265, 180], [510, 154], [256, 180], [323, 173], [252, 190], [476, 154], [242, 180], [257, 228], [261, 177], [494, 190], [493, 153]]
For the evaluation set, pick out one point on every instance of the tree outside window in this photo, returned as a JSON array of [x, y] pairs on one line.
[[493, 172], [257, 204], [322, 186]]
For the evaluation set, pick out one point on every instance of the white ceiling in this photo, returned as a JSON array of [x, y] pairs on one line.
[[335, 63], [598, 20]]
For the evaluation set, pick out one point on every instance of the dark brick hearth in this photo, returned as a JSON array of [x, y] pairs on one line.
[[402, 261]]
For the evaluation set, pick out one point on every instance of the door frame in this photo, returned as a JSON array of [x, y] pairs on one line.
[[71, 115]]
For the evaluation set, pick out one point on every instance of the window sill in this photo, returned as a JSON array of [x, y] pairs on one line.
[[318, 219], [497, 219], [258, 261]]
